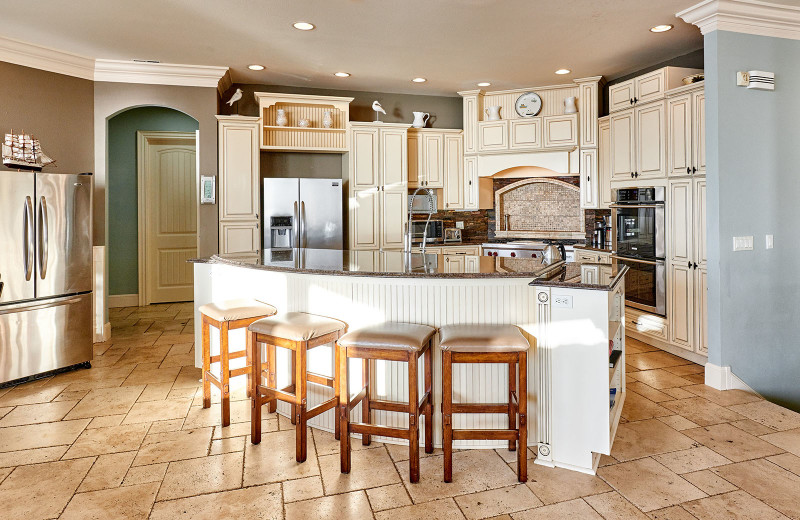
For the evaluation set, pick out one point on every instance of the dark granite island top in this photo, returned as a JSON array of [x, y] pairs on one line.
[[399, 264]]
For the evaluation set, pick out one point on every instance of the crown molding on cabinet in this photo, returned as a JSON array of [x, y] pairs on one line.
[[45, 58], [745, 16]]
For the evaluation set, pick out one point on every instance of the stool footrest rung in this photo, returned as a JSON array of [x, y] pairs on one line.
[[270, 394], [489, 435], [231, 355], [213, 379], [389, 406], [479, 408], [239, 371], [356, 399], [374, 429], [319, 379], [324, 407]]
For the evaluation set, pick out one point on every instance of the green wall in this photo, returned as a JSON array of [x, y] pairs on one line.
[[123, 265]]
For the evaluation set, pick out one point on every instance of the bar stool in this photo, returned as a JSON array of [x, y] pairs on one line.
[[486, 344], [390, 342], [299, 332], [227, 316]]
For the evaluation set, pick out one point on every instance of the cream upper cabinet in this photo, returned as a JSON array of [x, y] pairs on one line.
[[680, 221], [589, 96], [699, 217], [651, 141], [471, 192], [649, 87], [526, 133], [470, 118], [699, 132], [433, 159], [590, 182], [414, 160], [364, 166], [493, 135], [620, 96], [605, 197], [453, 170], [365, 219], [394, 215], [560, 131], [623, 145], [393, 158], [681, 316], [686, 134]]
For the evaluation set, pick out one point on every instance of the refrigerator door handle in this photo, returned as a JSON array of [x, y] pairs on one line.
[[43, 225], [303, 221], [27, 238], [296, 224]]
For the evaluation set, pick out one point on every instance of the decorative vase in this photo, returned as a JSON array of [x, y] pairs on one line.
[[281, 119], [420, 119], [569, 105], [327, 121], [303, 123], [492, 113]]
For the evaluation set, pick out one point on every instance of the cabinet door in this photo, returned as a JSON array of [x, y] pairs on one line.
[[393, 159], [650, 140], [471, 183], [679, 133], [560, 131], [620, 96], [493, 135], [589, 100], [699, 217], [623, 155], [649, 87], [433, 160], [701, 310], [470, 109], [586, 257], [472, 264], [364, 219], [238, 171], [699, 134], [604, 162], [393, 218], [681, 316], [680, 222], [364, 169], [414, 160], [239, 238], [526, 134], [590, 274], [454, 263], [454, 174]]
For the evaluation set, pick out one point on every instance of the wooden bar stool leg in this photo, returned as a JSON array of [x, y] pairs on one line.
[[296, 384], [428, 360], [522, 452], [300, 399], [344, 414], [365, 411], [225, 374], [413, 418], [248, 350], [271, 377], [255, 401], [205, 328], [447, 413], [512, 411], [337, 375]]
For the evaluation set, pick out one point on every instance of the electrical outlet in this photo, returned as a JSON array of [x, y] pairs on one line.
[[562, 301], [770, 243], [743, 243], [460, 224]]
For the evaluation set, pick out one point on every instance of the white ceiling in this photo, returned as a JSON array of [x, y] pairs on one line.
[[382, 43]]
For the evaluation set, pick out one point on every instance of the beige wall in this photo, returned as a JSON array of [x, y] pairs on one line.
[[57, 109]]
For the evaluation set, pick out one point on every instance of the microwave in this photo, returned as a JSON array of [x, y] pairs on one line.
[[423, 203], [435, 233]]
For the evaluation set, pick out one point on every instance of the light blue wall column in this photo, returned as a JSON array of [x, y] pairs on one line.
[[753, 147]]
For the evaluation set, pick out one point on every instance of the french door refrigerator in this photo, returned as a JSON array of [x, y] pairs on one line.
[[45, 272], [303, 213]]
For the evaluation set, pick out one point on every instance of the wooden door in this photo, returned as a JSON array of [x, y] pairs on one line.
[[364, 169], [650, 140], [364, 219], [680, 222], [681, 315], [620, 96], [699, 132], [433, 159], [471, 188], [699, 217], [679, 133], [393, 159], [623, 154], [168, 207], [415, 177], [394, 214], [589, 180], [454, 173], [604, 163], [701, 310]]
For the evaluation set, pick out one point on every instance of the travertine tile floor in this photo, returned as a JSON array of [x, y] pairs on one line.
[[129, 439]]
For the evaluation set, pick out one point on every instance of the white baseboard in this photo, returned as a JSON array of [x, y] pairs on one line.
[[722, 378], [123, 300], [694, 357], [105, 335]]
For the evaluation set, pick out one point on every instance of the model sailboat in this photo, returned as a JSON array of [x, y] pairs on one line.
[[22, 151]]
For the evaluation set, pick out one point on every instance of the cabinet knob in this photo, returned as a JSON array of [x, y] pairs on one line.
[[631, 101], [694, 170], [695, 266], [690, 265], [688, 170]]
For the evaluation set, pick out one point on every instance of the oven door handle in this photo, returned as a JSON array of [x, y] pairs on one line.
[[636, 206], [637, 260]]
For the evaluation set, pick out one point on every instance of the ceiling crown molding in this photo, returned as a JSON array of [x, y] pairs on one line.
[[45, 58], [119, 71], [745, 16]]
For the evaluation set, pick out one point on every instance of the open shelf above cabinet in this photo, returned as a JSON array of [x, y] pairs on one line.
[[292, 137]]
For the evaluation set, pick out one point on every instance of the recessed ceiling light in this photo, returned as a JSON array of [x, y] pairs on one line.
[[303, 26], [342, 74], [255, 67], [563, 71], [661, 28], [419, 80], [484, 84]]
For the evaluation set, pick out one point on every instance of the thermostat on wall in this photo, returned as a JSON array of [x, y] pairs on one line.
[[757, 79], [208, 189]]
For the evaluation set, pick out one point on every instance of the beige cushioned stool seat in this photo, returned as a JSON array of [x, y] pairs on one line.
[[401, 336], [482, 338], [296, 326], [233, 310]]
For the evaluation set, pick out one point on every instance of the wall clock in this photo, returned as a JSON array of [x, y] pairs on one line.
[[528, 104]]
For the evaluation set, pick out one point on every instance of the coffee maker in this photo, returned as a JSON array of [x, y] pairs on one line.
[[599, 237]]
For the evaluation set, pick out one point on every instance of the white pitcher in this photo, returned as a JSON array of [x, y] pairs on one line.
[[569, 105], [492, 113], [420, 119]]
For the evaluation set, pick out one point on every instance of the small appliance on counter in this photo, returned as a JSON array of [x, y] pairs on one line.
[[452, 235], [599, 236], [434, 234]]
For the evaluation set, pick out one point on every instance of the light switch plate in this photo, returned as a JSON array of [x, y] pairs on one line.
[[770, 244], [743, 243], [563, 301], [460, 224]]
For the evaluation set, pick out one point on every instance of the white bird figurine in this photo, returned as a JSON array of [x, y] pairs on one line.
[[235, 97], [377, 108]]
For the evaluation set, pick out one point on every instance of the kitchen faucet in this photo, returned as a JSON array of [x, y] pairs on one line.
[[408, 247]]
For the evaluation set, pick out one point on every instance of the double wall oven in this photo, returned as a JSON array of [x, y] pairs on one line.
[[639, 243]]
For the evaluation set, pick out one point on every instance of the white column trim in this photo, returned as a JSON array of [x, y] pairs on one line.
[[745, 16]]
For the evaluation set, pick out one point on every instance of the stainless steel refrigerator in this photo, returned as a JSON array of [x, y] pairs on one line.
[[45, 272], [303, 213]]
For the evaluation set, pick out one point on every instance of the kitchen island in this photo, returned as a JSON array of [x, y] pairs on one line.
[[571, 313]]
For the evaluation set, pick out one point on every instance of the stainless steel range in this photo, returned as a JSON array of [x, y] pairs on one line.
[[522, 249]]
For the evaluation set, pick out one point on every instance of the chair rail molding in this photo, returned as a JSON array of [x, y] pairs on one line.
[[745, 16]]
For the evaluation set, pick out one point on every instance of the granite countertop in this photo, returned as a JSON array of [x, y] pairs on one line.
[[587, 247], [398, 264]]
